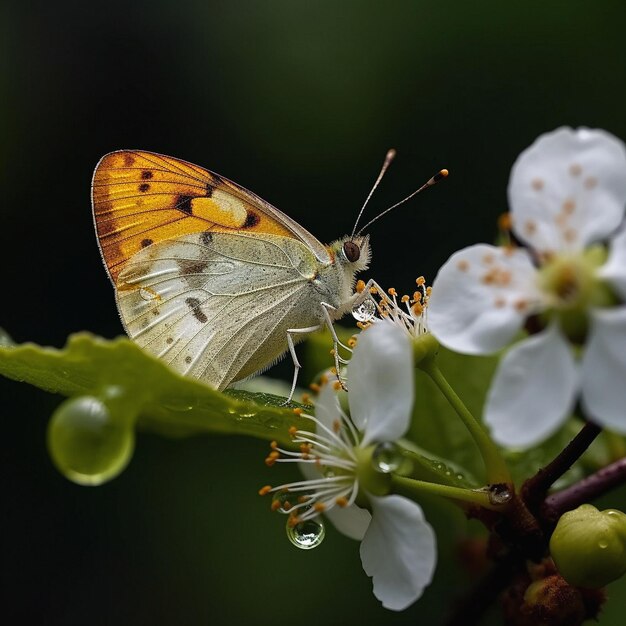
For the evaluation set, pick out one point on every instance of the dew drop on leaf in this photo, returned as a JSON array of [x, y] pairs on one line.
[[87, 444]]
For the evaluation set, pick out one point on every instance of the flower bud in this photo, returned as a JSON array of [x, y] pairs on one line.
[[589, 546]]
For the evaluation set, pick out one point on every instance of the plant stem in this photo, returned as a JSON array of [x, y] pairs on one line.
[[535, 488], [412, 489], [495, 466], [585, 490]]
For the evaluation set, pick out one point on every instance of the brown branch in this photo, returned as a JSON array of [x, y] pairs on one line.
[[534, 490], [584, 490]]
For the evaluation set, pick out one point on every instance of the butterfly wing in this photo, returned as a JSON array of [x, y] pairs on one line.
[[217, 306], [142, 198]]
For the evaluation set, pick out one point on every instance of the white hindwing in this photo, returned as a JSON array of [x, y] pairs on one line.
[[217, 306]]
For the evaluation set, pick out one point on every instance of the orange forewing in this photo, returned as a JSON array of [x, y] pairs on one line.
[[141, 198]]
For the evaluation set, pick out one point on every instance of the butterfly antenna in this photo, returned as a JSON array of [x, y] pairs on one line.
[[386, 163], [439, 176]]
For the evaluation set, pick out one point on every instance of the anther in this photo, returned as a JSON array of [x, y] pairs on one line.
[[263, 491], [341, 501], [314, 387], [297, 411], [337, 386], [320, 507], [293, 430], [360, 286]]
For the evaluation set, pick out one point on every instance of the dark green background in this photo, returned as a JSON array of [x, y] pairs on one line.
[[297, 101]]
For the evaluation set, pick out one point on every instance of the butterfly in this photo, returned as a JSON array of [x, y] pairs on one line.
[[208, 276]]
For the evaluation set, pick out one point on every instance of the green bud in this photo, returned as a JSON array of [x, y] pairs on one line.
[[88, 443], [589, 546]]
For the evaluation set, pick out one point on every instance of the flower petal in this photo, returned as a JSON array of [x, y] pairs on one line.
[[568, 189], [604, 369], [352, 521], [614, 270], [380, 382], [481, 297], [398, 551], [533, 390]]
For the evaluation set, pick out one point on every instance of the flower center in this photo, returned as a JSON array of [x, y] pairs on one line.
[[572, 287]]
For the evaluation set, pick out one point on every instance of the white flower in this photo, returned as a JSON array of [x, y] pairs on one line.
[[566, 192], [398, 548]]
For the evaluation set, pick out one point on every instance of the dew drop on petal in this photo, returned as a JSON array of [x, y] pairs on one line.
[[306, 535], [386, 457], [365, 311]]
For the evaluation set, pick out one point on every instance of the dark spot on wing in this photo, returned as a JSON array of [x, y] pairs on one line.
[[169, 340], [206, 238], [146, 242], [188, 266], [144, 187], [252, 219], [198, 313], [129, 159], [187, 359], [146, 174], [184, 204], [209, 190]]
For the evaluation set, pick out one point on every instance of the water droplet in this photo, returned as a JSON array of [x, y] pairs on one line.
[[603, 545], [147, 294], [247, 415], [306, 535], [386, 457], [87, 442], [500, 494], [460, 476], [365, 311]]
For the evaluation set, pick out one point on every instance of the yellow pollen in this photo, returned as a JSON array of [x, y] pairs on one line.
[[497, 276], [570, 235], [530, 227], [320, 507], [334, 370], [488, 259], [303, 499], [373, 290], [332, 352], [306, 398], [363, 325], [537, 184], [351, 342], [590, 182], [274, 454], [568, 206], [404, 299], [323, 379], [305, 448], [341, 501], [263, 491], [336, 426], [293, 431], [275, 505], [274, 445], [314, 387], [575, 169], [287, 505], [337, 386], [429, 291], [420, 280], [417, 296], [504, 221], [521, 305], [417, 308], [270, 462], [360, 286], [392, 292], [297, 411], [462, 265], [508, 250]]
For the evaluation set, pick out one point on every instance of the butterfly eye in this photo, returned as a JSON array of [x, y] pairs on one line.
[[351, 251]]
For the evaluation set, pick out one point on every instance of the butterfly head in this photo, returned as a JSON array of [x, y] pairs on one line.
[[352, 252]]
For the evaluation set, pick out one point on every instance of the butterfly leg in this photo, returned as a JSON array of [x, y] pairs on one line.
[[292, 351], [327, 308]]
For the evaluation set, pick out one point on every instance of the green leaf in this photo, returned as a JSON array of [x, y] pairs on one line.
[[166, 402], [435, 426]]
